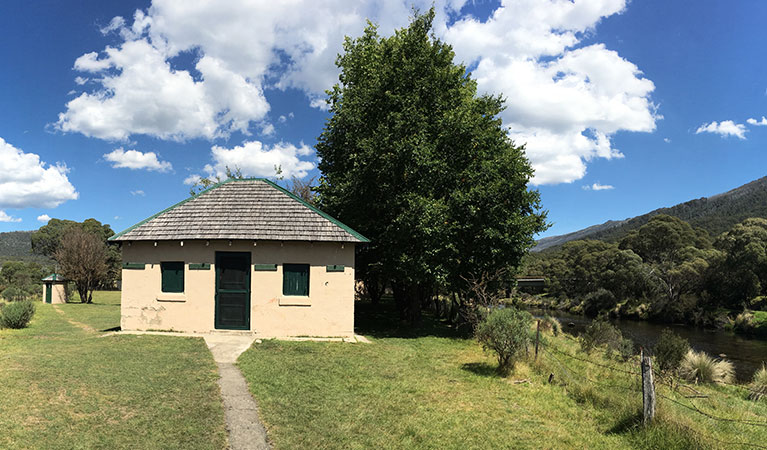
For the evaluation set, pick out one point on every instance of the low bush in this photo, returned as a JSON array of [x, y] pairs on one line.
[[758, 303], [551, 324], [701, 368], [506, 332], [16, 314], [758, 384], [670, 350], [598, 301], [599, 333]]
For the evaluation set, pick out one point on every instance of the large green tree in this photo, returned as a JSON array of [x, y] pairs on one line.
[[740, 273], [676, 254], [415, 160], [47, 241]]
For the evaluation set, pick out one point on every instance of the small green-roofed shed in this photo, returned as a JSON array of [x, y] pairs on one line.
[[54, 289]]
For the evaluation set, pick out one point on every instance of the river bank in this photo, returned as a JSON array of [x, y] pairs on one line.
[[746, 354]]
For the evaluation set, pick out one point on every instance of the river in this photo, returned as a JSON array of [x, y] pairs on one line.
[[747, 355]]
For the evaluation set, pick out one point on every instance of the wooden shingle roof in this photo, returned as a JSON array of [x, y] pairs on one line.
[[253, 209]]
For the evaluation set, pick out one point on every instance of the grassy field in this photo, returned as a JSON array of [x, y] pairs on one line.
[[63, 386], [436, 389]]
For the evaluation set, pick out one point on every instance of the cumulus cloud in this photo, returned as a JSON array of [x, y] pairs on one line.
[[27, 182], [598, 187], [255, 159], [134, 160], [43, 218], [138, 192], [566, 99], [667, 140], [758, 123], [4, 217], [724, 128]]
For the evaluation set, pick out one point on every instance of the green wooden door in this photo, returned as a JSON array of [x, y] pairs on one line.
[[48, 293], [232, 291]]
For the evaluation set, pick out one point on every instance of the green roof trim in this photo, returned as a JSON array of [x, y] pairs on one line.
[[53, 277], [327, 216], [269, 182], [170, 207]]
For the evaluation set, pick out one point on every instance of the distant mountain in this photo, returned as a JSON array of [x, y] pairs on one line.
[[714, 214], [17, 246]]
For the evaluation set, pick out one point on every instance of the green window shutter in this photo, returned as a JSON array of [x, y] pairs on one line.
[[335, 268], [133, 265], [199, 266], [172, 276], [265, 267], [295, 279]]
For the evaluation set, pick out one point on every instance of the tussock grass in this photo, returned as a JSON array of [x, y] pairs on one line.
[[758, 384], [699, 367]]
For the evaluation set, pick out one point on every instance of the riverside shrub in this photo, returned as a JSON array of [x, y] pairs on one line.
[[507, 333], [670, 350], [16, 314]]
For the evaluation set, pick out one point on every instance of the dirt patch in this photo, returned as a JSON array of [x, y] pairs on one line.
[[74, 322]]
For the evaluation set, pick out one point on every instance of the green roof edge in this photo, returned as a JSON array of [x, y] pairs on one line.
[[325, 215], [168, 209]]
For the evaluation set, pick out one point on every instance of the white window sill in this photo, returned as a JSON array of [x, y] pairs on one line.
[[171, 297], [295, 301]]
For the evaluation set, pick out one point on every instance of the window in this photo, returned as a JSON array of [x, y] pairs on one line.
[[295, 279], [172, 276]]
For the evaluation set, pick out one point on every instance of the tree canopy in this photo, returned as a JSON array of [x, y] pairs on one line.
[[419, 163]]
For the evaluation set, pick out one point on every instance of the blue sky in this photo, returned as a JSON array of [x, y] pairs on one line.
[[108, 108]]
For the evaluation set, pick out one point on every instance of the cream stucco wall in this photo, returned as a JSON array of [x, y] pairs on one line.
[[327, 311], [58, 294]]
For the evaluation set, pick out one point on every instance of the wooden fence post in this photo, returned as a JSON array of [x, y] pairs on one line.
[[648, 390], [537, 338]]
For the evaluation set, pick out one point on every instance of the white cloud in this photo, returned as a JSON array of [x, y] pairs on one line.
[[255, 159], [81, 80], [598, 187], [667, 140], [43, 218], [267, 129], [192, 179], [566, 100], [138, 192], [134, 159], [758, 123], [724, 128], [4, 217], [27, 182]]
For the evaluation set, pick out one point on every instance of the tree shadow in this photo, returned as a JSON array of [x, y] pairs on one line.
[[481, 369], [382, 321], [626, 423]]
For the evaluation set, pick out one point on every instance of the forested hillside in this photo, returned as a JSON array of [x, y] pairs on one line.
[[715, 214], [17, 246]]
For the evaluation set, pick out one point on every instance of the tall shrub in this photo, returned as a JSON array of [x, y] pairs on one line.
[[506, 332]]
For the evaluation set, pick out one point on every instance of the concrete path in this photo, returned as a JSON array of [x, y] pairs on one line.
[[246, 432]]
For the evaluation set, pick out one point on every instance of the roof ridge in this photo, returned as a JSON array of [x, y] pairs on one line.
[[199, 194], [344, 229]]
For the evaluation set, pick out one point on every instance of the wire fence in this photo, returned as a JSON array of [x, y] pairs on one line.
[[563, 362]]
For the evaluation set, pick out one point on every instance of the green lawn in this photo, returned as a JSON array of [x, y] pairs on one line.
[[64, 387], [436, 389]]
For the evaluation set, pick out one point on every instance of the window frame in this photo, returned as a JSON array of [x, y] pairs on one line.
[[290, 268], [164, 267]]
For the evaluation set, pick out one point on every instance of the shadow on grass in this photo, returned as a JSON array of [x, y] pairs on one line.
[[481, 369], [382, 321], [111, 329], [629, 422]]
